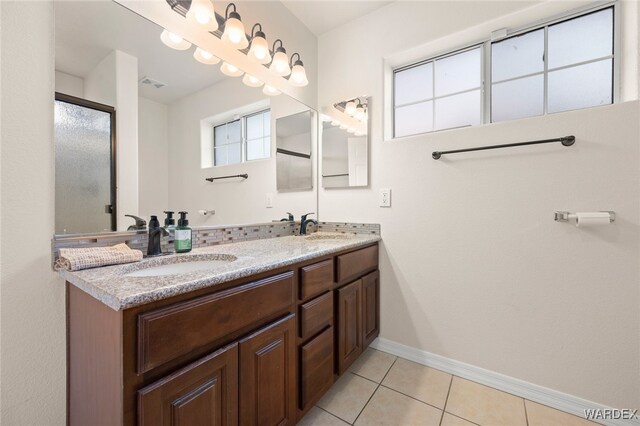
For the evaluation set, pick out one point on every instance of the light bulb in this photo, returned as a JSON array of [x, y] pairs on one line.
[[201, 12], [259, 50], [251, 81], [205, 57], [359, 114], [230, 70], [298, 75], [270, 90], [174, 41], [280, 63], [335, 123], [350, 108], [234, 32]]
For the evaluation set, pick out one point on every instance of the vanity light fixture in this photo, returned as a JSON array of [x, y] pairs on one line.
[[270, 90], [298, 76], [205, 57], [230, 70], [360, 111], [350, 108], [174, 41], [251, 81], [259, 50], [233, 29], [280, 62], [201, 12]]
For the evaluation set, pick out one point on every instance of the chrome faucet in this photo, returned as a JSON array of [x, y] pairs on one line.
[[304, 222], [155, 237]]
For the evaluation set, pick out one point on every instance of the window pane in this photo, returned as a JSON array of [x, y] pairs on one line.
[[414, 84], [220, 156], [234, 153], [517, 98], [580, 87], [458, 110], [581, 39], [458, 72], [225, 134], [255, 149], [414, 119], [517, 56], [234, 132], [220, 135], [255, 126], [266, 117]]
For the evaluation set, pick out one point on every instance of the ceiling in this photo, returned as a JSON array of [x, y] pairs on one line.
[[87, 31], [321, 16]]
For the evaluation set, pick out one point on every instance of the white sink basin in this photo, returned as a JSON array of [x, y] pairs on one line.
[[180, 265]]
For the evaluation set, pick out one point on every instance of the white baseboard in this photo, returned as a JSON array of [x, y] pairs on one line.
[[552, 398]]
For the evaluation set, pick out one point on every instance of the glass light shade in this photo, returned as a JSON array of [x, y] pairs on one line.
[[350, 108], [259, 50], [343, 126], [270, 90], [251, 81], [298, 76], [230, 70], [174, 41], [335, 123], [280, 64], [359, 114], [201, 12], [205, 57], [234, 33]]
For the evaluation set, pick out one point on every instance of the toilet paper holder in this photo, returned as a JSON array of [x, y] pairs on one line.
[[562, 216]]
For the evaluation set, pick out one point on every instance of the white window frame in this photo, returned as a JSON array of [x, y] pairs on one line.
[[243, 138], [486, 83]]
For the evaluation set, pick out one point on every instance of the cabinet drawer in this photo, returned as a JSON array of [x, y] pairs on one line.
[[352, 265], [316, 315], [316, 278], [176, 330], [316, 368]]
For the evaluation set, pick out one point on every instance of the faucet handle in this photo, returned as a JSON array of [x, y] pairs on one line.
[[304, 217], [291, 218], [140, 223]]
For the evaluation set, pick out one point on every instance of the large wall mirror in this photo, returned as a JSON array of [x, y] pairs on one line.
[[345, 144], [140, 127]]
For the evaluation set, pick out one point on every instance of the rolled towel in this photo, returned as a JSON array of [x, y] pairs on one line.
[[75, 259]]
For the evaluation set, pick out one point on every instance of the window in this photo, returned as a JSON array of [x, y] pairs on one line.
[[559, 66], [442, 93], [244, 139]]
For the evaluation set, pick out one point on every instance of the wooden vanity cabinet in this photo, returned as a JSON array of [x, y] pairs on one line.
[[256, 350]]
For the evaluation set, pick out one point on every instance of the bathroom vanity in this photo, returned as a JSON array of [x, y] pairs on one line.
[[256, 340]]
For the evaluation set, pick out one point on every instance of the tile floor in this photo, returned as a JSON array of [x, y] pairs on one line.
[[382, 389]]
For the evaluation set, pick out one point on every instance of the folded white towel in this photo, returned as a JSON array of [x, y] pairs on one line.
[[75, 259]]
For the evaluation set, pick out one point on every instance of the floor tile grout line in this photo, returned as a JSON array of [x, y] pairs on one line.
[[446, 400], [411, 397], [462, 418], [526, 416], [374, 392], [330, 413]]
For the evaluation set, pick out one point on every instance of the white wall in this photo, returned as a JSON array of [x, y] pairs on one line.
[[153, 158], [473, 266], [114, 81], [235, 201], [69, 84], [32, 337]]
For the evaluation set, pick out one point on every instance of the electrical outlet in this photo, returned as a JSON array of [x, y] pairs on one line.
[[269, 198], [385, 197]]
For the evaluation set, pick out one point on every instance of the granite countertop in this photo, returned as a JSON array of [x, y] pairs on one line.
[[114, 288]]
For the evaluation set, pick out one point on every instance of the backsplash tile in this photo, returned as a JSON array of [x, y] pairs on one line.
[[207, 236]]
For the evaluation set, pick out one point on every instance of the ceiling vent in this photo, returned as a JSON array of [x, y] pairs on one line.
[[151, 82]]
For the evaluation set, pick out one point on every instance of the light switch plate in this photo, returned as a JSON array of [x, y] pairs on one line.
[[385, 197], [269, 199]]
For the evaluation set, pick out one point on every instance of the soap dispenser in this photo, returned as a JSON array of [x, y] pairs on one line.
[[170, 223], [183, 234]]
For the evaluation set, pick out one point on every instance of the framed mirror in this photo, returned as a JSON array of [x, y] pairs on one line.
[[345, 144], [177, 119]]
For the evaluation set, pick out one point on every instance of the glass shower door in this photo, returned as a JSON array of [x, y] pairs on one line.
[[84, 166]]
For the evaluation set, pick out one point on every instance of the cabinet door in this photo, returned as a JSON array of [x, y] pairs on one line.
[[267, 375], [370, 307], [316, 368], [203, 393], [349, 321]]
